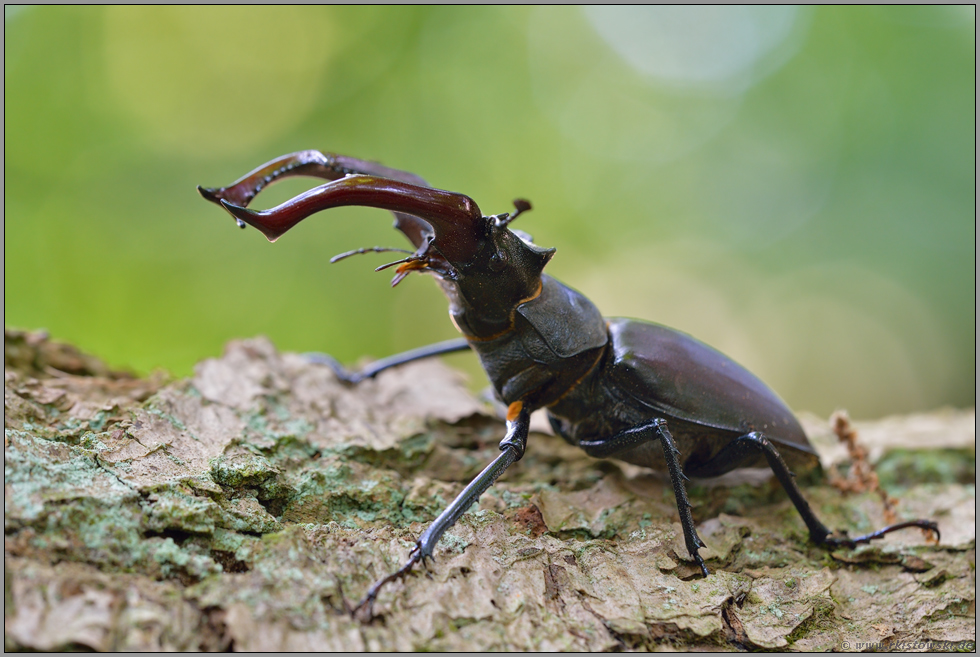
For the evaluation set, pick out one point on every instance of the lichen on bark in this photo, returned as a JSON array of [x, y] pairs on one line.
[[249, 506]]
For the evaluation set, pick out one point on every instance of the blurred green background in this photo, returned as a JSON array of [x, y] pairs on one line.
[[794, 186]]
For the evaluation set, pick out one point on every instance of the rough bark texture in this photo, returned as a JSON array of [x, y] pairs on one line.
[[247, 507]]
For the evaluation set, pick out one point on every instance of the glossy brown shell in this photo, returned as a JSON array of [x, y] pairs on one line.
[[694, 386]]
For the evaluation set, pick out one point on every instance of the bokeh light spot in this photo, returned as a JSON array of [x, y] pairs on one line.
[[687, 45], [605, 106], [201, 80]]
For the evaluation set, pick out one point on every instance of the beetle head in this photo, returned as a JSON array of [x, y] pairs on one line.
[[484, 268], [504, 272]]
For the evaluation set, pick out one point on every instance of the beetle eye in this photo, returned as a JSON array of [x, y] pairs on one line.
[[499, 260]]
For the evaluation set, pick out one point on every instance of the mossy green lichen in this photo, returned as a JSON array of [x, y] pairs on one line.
[[175, 510], [241, 469]]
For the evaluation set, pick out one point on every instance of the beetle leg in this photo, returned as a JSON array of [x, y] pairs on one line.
[[845, 541], [609, 447], [511, 450], [372, 370], [735, 451], [644, 433]]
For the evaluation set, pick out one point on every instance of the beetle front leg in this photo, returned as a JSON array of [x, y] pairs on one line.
[[644, 433], [438, 349], [511, 450]]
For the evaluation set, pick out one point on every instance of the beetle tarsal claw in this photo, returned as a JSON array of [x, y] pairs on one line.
[[367, 604]]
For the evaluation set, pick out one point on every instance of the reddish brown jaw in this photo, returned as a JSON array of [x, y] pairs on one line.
[[456, 220], [311, 163]]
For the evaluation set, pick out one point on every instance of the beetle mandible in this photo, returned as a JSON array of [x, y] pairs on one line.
[[642, 392]]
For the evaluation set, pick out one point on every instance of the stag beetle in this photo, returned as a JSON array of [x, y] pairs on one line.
[[642, 392]]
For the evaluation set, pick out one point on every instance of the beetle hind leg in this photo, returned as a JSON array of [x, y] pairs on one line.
[[738, 450]]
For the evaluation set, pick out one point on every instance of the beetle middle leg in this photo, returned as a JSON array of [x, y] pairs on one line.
[[654, 430], [747, 446], [511, 450]]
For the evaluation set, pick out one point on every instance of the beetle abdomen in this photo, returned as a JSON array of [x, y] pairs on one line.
[[652, 371]]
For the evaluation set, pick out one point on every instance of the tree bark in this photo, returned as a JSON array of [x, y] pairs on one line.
[[249, 506]]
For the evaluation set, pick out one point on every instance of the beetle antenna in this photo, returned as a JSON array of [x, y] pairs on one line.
[[411, 258], [520, 205], [362, 251]]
